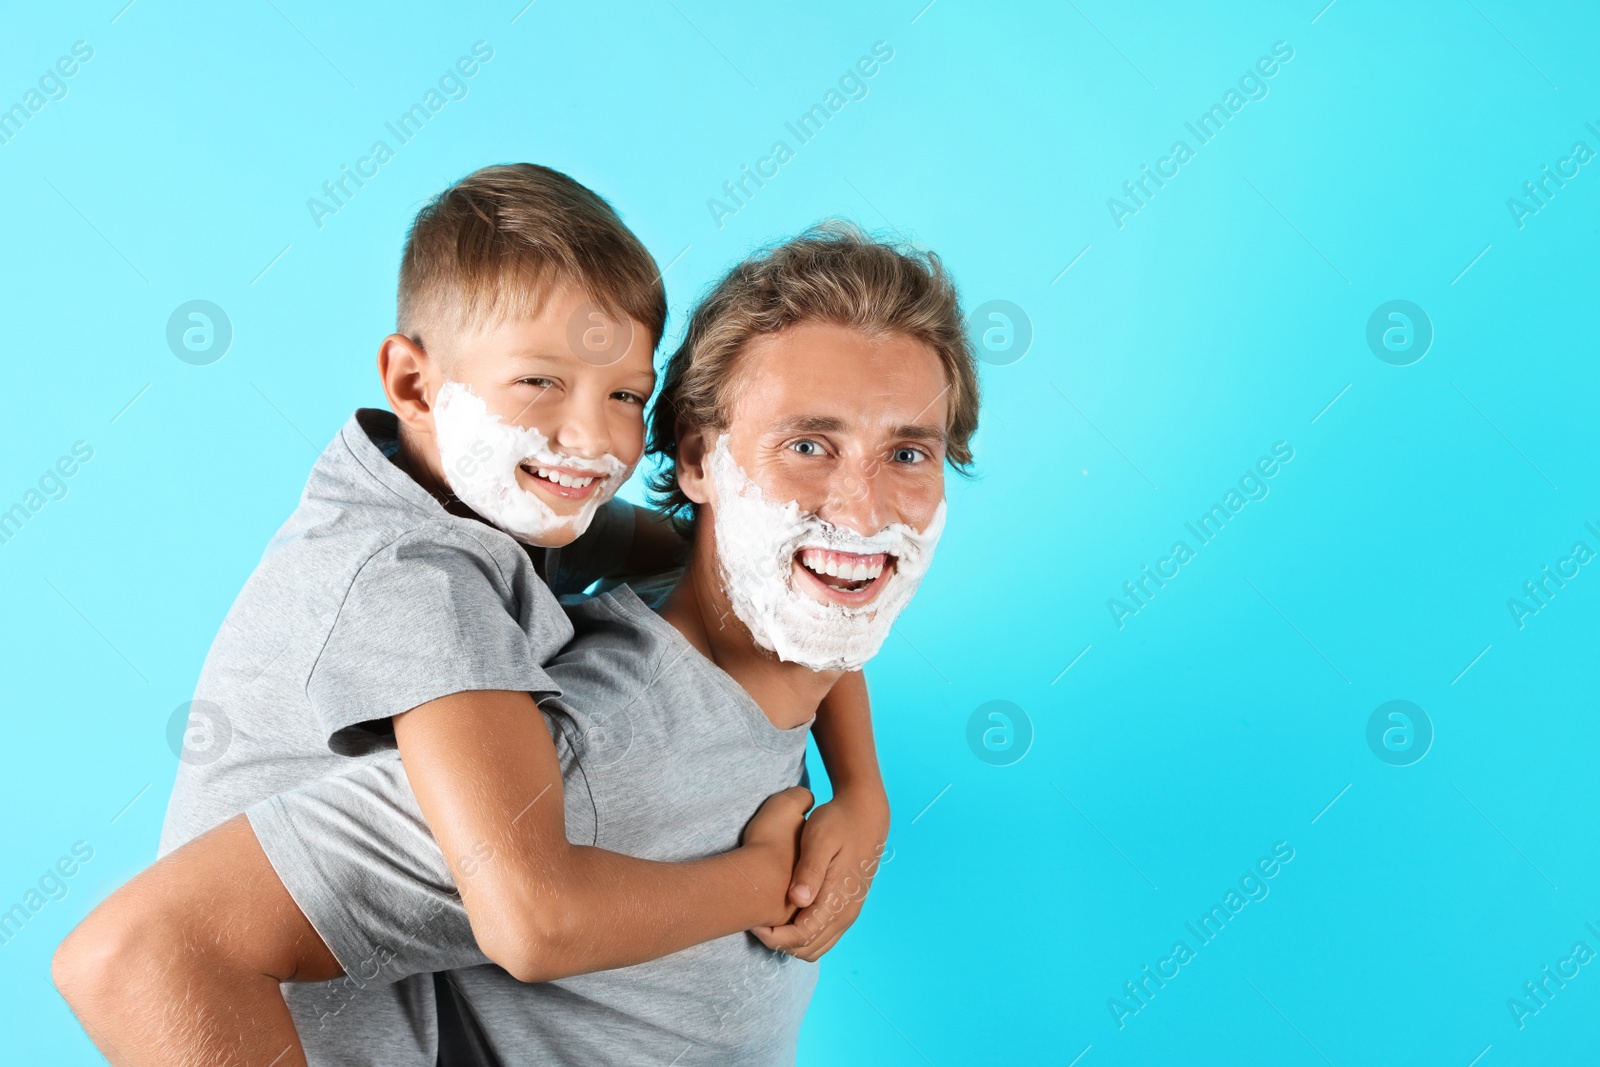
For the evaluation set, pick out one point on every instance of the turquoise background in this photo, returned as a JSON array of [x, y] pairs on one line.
[[1229, 714]]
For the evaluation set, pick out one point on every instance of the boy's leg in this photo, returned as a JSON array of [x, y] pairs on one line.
[[181, 966]]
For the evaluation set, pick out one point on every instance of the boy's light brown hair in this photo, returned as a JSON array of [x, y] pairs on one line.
[[490, 247], [833, 273]]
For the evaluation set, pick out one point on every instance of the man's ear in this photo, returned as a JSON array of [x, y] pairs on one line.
[[694, 477], [405, 369]]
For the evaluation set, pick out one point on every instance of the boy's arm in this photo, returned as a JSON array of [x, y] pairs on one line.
[[845, 838], [430, 639], [487, 779]]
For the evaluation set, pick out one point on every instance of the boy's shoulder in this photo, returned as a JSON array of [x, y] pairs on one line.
[[368, 549], [359, 503], [372, 599], [356, 482]]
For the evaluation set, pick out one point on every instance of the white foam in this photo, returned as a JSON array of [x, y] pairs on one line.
[[481, 452], [756, 542]]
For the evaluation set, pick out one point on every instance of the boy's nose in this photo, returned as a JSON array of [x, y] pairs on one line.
[[583, 433]]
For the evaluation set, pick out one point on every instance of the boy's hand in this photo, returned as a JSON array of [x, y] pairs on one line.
[[773, 839], [839, 853]]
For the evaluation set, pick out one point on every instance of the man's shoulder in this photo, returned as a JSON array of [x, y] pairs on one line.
[[616, 618]]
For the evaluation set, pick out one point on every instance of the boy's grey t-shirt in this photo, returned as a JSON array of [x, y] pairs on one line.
[[371, 599], [664, 757]]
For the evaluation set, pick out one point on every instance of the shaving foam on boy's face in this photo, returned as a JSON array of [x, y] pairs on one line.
[[506, 472], [811, 592]]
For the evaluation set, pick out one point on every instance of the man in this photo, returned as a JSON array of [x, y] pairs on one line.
[[805, 424]]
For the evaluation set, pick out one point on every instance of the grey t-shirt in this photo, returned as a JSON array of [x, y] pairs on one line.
[[371, 600], [665, 757]]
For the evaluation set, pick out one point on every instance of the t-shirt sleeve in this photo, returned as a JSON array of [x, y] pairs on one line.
[[356, 855], [425, 617], [599, 552]]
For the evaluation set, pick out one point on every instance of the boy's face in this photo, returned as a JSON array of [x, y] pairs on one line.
[[561, 421]]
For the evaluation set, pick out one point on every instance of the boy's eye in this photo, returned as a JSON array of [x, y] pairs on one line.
[[538, 383], [628, 398]]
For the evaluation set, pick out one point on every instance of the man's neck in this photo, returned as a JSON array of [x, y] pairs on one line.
[[698, 608]]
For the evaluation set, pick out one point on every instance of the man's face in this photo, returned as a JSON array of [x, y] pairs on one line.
[[851, 428], [578, 377]]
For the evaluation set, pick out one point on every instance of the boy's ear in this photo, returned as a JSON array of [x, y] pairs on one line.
[[693, 477], [404, 367]]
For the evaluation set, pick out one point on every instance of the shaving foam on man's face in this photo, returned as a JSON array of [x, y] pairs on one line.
[[483, 456], [811, 592]]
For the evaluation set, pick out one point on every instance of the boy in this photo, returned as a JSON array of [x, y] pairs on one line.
[[407, 603]]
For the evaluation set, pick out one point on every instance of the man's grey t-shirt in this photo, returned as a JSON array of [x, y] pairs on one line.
[[372, 599], [664, 757]]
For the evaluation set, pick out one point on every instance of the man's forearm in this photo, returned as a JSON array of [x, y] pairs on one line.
[[843, 732]]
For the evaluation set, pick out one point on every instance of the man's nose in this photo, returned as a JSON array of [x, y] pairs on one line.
[[857, 497]]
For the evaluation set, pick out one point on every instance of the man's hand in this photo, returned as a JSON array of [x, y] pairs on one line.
[[839, 853], [772, 840]]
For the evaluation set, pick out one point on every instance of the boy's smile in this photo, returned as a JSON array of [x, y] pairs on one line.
[[558, 483]]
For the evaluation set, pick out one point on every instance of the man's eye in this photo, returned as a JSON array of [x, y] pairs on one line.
[[807, 448], [909, 455]]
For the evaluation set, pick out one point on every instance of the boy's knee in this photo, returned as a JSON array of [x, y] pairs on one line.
[[113, 950], [82, 965]]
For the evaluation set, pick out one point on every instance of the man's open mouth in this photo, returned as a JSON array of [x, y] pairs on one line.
[[561, 481], [844, 577]]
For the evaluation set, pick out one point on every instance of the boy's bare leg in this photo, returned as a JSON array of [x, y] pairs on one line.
[[180, 967]]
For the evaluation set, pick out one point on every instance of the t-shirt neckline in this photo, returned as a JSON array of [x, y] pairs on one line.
[[626, 601], [357, 437]]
